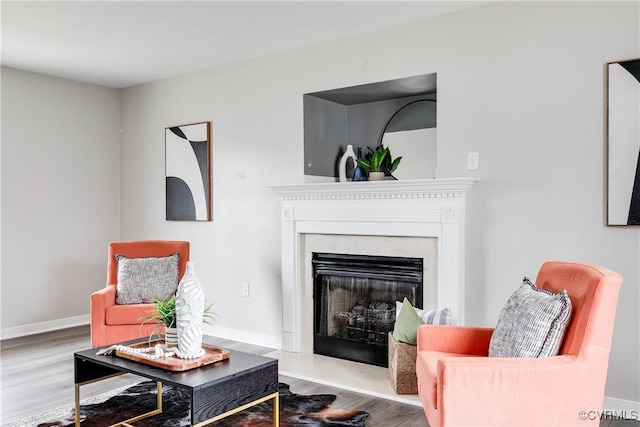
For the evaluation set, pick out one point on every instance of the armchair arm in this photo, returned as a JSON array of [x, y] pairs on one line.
[[454, 339], [100, 300]]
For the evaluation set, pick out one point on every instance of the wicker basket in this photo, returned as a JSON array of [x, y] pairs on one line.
[[402, 367]]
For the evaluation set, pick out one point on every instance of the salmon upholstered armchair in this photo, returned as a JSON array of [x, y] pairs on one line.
[[459, 385], [112, 322]]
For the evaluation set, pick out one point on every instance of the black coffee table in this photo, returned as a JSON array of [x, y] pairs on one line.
[[216, 390]]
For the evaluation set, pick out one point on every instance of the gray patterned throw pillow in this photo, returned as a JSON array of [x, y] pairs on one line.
[[144, 280], [532, 323]]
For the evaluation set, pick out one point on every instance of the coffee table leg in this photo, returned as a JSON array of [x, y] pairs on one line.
[[276, 410], [77, 405]]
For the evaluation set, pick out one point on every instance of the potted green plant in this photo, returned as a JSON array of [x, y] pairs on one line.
[[164, 314], [379, 161]]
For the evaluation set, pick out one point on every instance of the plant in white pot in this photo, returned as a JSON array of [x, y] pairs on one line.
[[164, 314], [377, 161]]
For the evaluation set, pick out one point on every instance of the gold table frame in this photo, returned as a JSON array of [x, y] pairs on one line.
[[127, 423]]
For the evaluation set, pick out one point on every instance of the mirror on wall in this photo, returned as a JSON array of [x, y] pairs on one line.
[[411, 133]]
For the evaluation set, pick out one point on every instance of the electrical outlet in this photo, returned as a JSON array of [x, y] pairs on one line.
[[473, 160], [245, 289]]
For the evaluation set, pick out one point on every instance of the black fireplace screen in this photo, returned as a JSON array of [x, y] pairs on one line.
[[354, 302]]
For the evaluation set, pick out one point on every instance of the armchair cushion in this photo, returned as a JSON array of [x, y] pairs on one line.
[[532, 323], [133, 314], [147, 279]]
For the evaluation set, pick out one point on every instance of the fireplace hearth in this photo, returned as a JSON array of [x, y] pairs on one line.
[[354, 302]]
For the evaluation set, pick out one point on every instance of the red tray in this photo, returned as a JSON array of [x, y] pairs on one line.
[[173, 363]]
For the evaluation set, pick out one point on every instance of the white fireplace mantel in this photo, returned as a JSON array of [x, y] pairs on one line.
[[403, 208]]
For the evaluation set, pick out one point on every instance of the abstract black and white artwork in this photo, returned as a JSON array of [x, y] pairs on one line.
[[623, 142], [188, 173]]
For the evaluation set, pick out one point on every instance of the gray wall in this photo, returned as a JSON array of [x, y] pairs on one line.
[[522, 83], [60, 198], [325, 135]]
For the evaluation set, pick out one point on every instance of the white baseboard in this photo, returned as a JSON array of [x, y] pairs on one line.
[[70, 322], [628, 408], [264, 340], [40, 327]]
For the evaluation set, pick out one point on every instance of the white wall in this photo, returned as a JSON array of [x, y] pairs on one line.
[[521, 83], [60, 200]]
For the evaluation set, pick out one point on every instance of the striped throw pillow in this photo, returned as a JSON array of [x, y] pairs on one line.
[[532, 323], [436, 316]]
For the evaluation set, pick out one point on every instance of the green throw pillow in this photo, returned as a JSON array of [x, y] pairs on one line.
[[406, 327]]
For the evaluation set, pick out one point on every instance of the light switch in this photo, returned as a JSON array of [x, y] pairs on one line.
[[473, 160]]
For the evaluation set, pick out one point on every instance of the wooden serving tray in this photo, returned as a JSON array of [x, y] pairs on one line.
[[173, 363]]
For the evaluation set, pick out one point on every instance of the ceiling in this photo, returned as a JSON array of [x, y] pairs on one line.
[[124, 43]]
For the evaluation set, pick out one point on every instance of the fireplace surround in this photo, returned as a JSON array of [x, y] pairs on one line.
[[430, 210]]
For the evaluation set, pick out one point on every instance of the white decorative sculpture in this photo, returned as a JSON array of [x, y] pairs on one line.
[[189, 313], [342, 168]]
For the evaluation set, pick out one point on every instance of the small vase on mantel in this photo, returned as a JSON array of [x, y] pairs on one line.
[[342, 167], [189, 313], [358, 172]]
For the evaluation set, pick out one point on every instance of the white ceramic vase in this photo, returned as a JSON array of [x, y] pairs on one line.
[[189, 312], [342, 168]]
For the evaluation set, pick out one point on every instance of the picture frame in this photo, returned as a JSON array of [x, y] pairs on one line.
[[188, 172], [623, 142]]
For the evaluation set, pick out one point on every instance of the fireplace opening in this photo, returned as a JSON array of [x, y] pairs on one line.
[[355, 303]]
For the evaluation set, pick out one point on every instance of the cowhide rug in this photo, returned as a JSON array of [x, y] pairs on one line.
[[295, 410]]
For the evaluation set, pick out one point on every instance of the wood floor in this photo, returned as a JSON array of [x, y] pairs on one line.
[[36, 375]]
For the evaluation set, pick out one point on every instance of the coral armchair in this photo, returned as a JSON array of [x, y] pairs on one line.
[[459, 385], [111, 322]]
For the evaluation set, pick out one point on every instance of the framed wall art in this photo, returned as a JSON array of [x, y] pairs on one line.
[[188, 172], [623, 142]]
